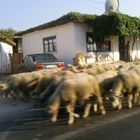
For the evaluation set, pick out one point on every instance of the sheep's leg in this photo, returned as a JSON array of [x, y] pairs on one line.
[[95, 107], [87, 110], [76, 115], [136, 97], [70, 110], [117, 103], [54, 116], [54, 109], [130, 98], [120, 105], [101, 106], [71, 116]]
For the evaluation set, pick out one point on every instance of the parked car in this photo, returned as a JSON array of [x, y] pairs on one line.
[[34, 62]]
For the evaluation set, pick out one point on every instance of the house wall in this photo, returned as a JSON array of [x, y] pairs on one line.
[[114, 48], [112, 55], [80, 37], [80, 40], [70, 37], [136, 50], [33, 42], [5, 63]]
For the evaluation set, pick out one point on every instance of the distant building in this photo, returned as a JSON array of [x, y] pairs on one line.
[[5, 62], [6, 50], [70, 34]]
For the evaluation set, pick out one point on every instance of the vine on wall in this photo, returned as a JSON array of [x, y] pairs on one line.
[[108, 24]]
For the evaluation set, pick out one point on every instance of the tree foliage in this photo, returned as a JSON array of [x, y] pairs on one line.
[[74, 16], [103, 25], [107, 24], [9, 33], [115, 24]]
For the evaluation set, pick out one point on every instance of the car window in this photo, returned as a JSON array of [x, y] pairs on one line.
[[34, 58], [28, 59], [45, 57], [25, 59]]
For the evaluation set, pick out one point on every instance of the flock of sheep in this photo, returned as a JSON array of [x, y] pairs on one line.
[[88, 86]]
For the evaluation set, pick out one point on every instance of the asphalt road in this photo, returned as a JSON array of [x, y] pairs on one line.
[[26, 122]]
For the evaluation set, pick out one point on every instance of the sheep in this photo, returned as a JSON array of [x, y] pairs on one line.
[[101, 69], [49, 85], [105, 82], [80, 87], [58, 78], [126, 83], [43, 82], [102, 79], [79, 59], [46, 80], [24, 82]]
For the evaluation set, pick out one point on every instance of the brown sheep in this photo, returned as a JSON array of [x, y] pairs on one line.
[[70, 91], [25, 82], [126, 83], [44, 81], [47, 80], [105, 81]]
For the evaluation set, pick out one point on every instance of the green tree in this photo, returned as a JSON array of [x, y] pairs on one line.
[[8, 32]]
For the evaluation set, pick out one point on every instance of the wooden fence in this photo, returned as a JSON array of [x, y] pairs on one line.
[[16, 60]]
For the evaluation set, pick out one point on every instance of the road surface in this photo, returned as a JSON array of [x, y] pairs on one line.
[[23, 121]]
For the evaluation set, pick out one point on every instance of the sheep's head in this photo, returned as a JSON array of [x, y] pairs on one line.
[[3, 87]]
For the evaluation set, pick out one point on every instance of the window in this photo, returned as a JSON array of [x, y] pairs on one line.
[[98, 46], [104, 46], [49, 44], [43, 57], [28, 59], [90, 42]]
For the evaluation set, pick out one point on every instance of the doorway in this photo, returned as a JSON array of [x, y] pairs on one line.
[[122, 48]]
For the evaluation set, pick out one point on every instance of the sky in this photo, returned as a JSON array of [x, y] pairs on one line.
[[24, 14]]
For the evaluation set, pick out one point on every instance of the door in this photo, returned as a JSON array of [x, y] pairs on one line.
[[122, 48]]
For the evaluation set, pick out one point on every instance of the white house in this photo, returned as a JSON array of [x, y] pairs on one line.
[[5, 63], [65, 37]]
